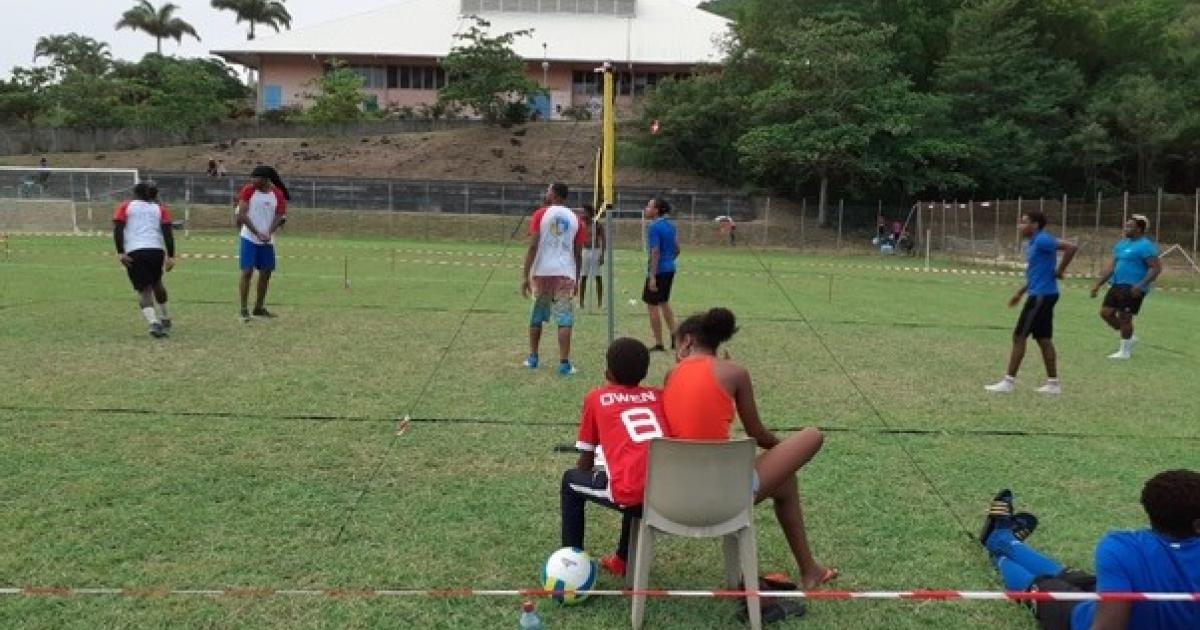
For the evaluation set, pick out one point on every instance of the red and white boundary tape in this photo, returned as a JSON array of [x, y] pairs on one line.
[[918, 595]]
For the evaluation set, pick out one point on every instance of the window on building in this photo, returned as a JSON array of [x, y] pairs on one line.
[[374, 77], [416, 78], [586, 83]]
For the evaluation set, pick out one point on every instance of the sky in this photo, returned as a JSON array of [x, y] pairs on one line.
[[26, 20]]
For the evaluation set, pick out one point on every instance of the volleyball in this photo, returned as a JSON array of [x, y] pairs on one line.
[[570, 573]]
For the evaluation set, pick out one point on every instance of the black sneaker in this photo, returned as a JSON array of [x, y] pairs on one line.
[[156, 331], [262, 312], [245, 315], [166, 323], [1023, 525], [999, 514]]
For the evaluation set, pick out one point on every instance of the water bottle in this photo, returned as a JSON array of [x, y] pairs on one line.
[[529, 619]]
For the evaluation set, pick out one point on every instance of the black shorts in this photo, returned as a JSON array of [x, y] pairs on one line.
[[1120, 298], [663, 294], [1056, 615], [1037, 317], [146, 270]]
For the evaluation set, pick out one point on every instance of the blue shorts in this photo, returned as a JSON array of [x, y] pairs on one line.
[[260, 257]]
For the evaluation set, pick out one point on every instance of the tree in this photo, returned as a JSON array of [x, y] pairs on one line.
[[73, 52], [700, 120], [1147, 116], [270, 13], [158, 23], [484, 74], [23, 97], [339, 96], [1009, 99], [835, 109], [183, 94]]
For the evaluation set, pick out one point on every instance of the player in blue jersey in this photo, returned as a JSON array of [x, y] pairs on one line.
[[1037, 317], [1164, 558], [1134, 267]]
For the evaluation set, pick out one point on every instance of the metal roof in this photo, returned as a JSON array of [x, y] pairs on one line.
[[661, 32]]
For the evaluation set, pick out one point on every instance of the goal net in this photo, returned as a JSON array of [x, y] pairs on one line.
[[35, 199]]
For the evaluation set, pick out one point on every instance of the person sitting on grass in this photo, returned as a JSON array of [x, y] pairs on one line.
[[1162, 559], [621, 418], [700, 397]]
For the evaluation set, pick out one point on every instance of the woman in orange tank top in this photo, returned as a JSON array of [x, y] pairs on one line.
[[700, 397]]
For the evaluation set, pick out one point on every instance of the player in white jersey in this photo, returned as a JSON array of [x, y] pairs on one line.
[[551, 270], [142, 231], [262, 208]]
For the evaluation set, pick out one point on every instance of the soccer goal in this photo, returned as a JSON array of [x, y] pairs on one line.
[[1176, 258], [37, 199]]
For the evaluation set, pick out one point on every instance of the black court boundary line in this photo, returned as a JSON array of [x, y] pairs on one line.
[[524, 423]]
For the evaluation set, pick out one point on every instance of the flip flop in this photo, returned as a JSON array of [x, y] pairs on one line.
[[828, 576]]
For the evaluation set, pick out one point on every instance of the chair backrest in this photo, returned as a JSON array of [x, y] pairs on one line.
[[699, 488]]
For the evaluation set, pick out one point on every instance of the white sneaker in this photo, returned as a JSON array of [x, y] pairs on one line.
[[1006, 386], [1050, 389], [1120, 354]]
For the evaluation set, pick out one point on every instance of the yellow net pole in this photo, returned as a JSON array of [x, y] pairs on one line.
[[608, 162]]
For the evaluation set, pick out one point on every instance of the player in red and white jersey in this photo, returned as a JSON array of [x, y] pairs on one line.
[[621, 418], [262, 208], [141, 232]]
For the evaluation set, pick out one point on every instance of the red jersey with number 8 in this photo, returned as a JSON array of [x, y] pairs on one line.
[[622, 420]]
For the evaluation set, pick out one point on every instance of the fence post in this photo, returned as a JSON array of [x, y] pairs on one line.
[[943, 226], [1064, 226], [313, 199], [971, 211], [841, 211], [504, 202], [692, 236], [1158, 216], [1196, 223], [767, 224], [920, 224], [996, 234], [1042, 205], [1096, 235], [467, 199], [804, 212], [1017, 243], [390, 208], [1125, 209]]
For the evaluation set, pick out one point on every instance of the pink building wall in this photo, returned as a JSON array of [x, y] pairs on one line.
[[292, 73]]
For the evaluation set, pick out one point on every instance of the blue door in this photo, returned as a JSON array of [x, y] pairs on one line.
[[272, 97], [541, 105]]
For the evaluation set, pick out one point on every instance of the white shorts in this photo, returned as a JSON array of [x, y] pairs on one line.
[[591, 263]]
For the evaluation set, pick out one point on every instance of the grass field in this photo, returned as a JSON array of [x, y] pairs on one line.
[[197, 462]]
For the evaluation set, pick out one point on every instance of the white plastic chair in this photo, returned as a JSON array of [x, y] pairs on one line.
[[699, 489]]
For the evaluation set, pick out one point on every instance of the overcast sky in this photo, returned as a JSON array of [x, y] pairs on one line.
[[26, 20]]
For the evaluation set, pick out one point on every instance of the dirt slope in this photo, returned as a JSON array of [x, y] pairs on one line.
[[532, 153]]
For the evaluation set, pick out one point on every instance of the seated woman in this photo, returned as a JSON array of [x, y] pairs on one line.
[[700, 397]]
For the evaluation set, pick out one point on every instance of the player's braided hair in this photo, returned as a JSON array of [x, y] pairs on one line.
[[1172, 501], [711, 328]]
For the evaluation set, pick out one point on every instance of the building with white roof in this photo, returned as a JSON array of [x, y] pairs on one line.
[[396, 49]]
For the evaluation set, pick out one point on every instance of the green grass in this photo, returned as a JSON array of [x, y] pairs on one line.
[[225, 483]]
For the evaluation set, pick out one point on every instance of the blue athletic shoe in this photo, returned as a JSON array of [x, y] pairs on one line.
[[531, 362], [565, 368]]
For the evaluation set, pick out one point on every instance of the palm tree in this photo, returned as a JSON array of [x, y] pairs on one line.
[[158, 23], [74, 52], [267, 12]]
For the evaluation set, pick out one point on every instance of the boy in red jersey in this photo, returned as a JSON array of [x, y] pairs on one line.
[[621, 418]]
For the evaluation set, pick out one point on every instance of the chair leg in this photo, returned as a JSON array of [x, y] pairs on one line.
[[748, 550], [733, 563], [631, 562], [641, 577]]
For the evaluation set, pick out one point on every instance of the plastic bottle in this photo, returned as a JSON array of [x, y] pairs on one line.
[[529, 618]]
